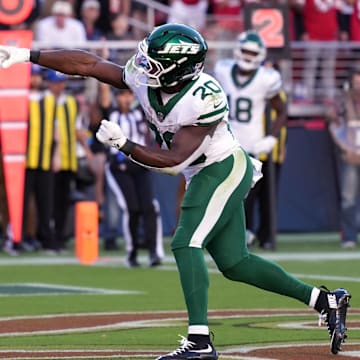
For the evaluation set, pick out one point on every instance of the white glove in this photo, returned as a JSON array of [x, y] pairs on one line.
[[265, 145], [111, 134], [257, 173], [10, 55]]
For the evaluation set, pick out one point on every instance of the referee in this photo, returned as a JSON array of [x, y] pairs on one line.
[[130, 183]]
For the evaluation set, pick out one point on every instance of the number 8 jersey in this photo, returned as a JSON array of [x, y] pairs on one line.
[[247, 98], [202, 102]]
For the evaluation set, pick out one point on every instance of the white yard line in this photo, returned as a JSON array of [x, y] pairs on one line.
[[169, 259], [238, 353], [126, 354]]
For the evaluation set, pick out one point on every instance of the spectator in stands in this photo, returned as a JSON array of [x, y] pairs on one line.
[[61, 29], [90, 12], [119, 7], [139, 14], [296, 20], [108, 9], [345, 130], [36, 81], [228, 18], [46, 8], [345, 11], [119, 31], [102, 22], [189, 12], [354, 27], [130, 183], [160, 15], [320, 24]]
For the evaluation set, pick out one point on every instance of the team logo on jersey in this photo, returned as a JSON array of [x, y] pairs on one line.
[[217, 104], [160, 116], [180, 48]]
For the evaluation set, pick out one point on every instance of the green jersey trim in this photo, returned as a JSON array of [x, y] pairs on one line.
[[210, 123], [236, 80], [217, 112], [156, 102]]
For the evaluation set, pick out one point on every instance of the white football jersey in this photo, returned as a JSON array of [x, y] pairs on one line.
[[201, 102], [247, 99]]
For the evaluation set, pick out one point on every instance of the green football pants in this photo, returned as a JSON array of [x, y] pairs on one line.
[[212, 217]]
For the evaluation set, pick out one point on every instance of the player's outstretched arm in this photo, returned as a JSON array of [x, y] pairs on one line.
[[72, 62], [188, 144]]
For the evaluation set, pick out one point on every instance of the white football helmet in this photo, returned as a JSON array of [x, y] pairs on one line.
[[250, 50]]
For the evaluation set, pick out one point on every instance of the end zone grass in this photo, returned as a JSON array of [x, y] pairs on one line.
[[312, 258]]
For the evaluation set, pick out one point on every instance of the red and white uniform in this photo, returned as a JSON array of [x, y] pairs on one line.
[[355, 22], [320, 19], [189, 12]]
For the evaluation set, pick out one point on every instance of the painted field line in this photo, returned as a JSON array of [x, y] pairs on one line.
[[244, 349], [129, 320], [244, 352], [169, 259], [260, 312], [238, 353], [350, 279], [79, 354], [213, 313], [62, 289], [329, 277], [311, 325], [112, 354]]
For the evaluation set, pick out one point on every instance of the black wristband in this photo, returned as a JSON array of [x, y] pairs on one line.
[[34, 56], [128, 147]]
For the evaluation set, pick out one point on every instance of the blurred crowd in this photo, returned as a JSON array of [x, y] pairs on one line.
[[73, 23], [76, 21]]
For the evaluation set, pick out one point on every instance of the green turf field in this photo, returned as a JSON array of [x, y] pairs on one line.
[[38, 285]]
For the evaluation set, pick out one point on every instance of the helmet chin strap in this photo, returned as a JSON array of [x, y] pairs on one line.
[[172, 89]]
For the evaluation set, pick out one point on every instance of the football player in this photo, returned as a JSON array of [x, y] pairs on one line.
[[249, 86], [187, 111]]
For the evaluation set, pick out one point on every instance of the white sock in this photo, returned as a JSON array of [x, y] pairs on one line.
[[314, 296], [198, 330]]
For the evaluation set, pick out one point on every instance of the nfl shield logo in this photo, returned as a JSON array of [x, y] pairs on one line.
[[160, 116]]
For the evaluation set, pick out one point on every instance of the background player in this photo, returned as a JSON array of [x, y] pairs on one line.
[[249, 86]]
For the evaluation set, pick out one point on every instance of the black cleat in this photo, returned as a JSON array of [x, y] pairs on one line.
[[335, 317], [189, 350]]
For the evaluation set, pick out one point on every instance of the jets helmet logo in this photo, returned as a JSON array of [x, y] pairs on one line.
[[180, 48]]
